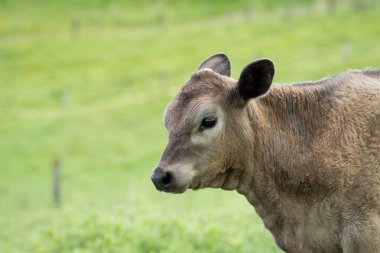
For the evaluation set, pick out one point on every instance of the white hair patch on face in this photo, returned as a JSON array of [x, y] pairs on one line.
[[183, 173]]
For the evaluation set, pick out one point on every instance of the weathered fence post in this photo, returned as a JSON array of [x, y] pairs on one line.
[[331, 6], [57, 182], [359, 4], [75, 26]]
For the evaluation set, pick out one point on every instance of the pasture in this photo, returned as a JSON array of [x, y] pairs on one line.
[[88, 85]]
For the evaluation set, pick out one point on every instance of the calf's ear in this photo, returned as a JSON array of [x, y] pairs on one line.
[[255, 79], [218, 63]]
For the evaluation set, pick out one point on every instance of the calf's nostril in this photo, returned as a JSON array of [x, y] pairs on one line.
[[166, 179], [162, 179]]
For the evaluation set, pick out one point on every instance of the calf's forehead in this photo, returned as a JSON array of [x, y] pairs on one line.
[[204, 89], [182, 116]]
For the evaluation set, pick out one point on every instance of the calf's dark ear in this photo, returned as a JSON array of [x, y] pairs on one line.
[[218, 63], [255, 79]]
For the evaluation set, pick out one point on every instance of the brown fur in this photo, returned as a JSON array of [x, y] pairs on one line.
[[306, 156]]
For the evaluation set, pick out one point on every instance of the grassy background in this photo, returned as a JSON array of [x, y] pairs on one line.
[[88, 82]]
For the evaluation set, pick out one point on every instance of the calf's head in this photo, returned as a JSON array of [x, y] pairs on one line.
[[208, 124]]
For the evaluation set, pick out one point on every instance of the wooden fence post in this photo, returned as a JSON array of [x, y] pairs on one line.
[[57, 182], [331, 6], [75, 26]]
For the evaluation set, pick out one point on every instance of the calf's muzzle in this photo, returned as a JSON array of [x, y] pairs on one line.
[[162, 180]]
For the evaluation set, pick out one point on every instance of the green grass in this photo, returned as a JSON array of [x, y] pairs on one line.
[[95, 99]]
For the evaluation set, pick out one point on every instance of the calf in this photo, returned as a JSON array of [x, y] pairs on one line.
[[306, 155]]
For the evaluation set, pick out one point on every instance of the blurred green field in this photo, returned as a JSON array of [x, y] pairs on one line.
[[88, 83]]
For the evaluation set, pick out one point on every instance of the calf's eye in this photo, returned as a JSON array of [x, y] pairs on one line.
[[208, 122]]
